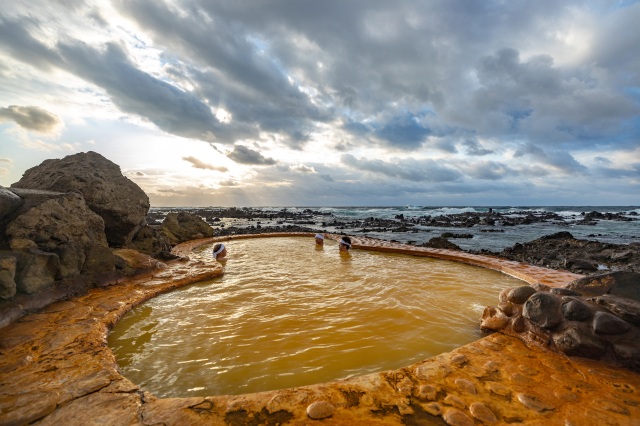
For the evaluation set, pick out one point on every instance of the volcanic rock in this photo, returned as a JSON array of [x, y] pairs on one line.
[[184, 226], [57, 239], [119, 201]]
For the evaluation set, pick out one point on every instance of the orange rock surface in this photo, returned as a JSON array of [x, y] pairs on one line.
[[56, 369]]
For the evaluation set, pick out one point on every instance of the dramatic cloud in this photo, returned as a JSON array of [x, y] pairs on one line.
[[31, 118], [243, 155], [199, 164], [371, 101]]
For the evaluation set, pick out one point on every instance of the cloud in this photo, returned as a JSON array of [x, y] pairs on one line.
[[411, 170], [31, 118], [301, 168], [243, 155], [199, 164]]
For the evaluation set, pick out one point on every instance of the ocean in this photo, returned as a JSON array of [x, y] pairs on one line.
[[610, 224]]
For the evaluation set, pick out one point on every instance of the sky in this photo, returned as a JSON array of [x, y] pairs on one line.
[[333, 102]]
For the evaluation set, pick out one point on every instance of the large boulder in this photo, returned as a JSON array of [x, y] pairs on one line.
[[58, 239], [121, 203], [184, 226]]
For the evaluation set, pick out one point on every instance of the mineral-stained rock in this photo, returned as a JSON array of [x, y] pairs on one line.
[[119, 201], [543, 309], [320, 410], [606, 323]]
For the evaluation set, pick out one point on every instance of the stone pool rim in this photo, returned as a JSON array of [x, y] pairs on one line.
[[57, 368]]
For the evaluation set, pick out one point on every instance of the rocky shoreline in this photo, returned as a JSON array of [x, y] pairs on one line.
[[560, 251]]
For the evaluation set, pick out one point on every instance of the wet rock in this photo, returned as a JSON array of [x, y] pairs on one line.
[[481, 412], [575, 310], [543, 309], [320, 410], [621, 283], [606, 323], [456, 417], [119, 201], [520, 294], [578, 342], [493, 319], [627, 309], [534, 403]]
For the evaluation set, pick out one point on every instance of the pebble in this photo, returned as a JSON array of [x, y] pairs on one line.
[[320, 410], [455, 417], [454, 401], [466, 386], [483, 413], [534, 403]]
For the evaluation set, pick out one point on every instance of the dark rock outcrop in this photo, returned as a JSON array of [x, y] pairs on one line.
[[184, 226], [605, 327], [119, 201], [563, 251], [57, 239]]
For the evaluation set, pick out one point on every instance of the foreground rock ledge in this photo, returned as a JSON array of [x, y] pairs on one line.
[[56, 369]]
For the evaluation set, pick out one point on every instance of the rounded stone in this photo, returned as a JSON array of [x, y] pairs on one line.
[[606, 323], [320, 410], [455, 417], [534, 403], [575, 310], [483, 413], [518, 324], [521, 294], [543, 309], [466, 386]]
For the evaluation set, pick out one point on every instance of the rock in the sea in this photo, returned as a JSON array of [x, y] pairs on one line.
[[63, 228], [119, 201]]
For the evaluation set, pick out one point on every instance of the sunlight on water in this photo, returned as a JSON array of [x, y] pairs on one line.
[[288, 314]]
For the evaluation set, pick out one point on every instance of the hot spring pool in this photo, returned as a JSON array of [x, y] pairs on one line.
[[288, 314]]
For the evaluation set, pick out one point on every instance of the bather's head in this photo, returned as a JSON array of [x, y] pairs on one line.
[[345, 244], [319, 239], [219, 251]]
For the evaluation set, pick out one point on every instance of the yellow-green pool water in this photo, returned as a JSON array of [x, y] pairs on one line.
[[287, 314]]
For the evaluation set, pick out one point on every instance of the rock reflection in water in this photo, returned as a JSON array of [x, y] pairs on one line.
[[286, 314]]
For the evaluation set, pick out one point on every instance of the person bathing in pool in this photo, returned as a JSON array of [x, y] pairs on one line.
[[345, 244], [219, 251], [319, 239]]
